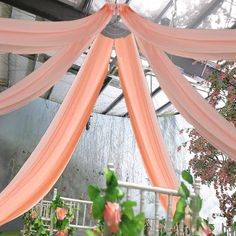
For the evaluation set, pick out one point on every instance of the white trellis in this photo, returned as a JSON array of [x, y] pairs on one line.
[[83, 220]]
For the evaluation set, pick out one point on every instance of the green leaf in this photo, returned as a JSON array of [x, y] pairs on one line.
[[196, 204], [181, 205], [129, 212], [98, 207], [183, 191], [129, 203], [90, 233], [212, 227], [178, 216], [140, 221], [111, 194], [129, 227], [127, 208], [111, 179], [93, 192], [120, 193], [234, 226], [187, 176], [180, 211], [222, 234]]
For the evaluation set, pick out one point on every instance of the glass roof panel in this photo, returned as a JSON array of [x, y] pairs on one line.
[[119, 110], [223, 17], [186, 12], [108, 95]]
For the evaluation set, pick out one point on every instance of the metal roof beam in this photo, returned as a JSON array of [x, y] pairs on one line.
[[204, 13], [168, 5], [50, 9], [160, 109]]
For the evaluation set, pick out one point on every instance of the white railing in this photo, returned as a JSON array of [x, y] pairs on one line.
[[82, 215], [82, 219], [143, 190], [228, 230]]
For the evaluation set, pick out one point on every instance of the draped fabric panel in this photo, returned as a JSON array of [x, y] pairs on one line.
[[143, 117], [193, 43], [27, 50], [20, 33], [42, 79], [47, 162], [192, 106]]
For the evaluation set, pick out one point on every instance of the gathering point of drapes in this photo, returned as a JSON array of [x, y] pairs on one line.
[[17, 35]]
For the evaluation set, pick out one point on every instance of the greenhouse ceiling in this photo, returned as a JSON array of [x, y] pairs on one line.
[[174, 13]]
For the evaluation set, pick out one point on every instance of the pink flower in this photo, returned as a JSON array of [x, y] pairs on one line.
[[61, 213], [112, 216], [205, 230], [62, 233], [208, 152], [34, 214], [160, 226]]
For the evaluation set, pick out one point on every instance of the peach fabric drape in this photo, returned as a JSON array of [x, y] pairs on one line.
[[47, 162], [42, 79], [143, 117], [192, 106], [27, 50], [194, 43], [44, 36], [14, 36]]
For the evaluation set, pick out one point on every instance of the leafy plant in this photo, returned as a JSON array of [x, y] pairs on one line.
[[62, 220], [190, 207], [209, 163], [35, 226], [116, 217]]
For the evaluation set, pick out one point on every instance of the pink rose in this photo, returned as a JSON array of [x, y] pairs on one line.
[[61, 213], [62, 233], [112, 216], [34, 214]]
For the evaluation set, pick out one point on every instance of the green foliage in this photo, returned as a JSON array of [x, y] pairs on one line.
[[35, 226], [98, 207], [211, 165], [234, 226], [93, 192], [187, 176], [180, 210], [183, 191], [194, 204], [90, 233], [130, 225]]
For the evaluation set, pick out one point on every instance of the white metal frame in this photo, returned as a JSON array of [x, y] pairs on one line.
[[228, 230], [82, 218]]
